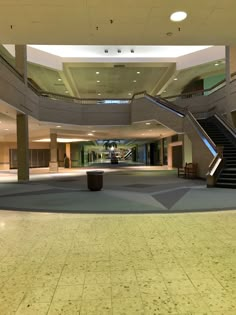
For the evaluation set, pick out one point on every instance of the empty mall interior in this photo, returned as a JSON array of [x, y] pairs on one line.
[[117, 157]]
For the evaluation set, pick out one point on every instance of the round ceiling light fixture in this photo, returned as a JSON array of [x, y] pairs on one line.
[[178, 16]]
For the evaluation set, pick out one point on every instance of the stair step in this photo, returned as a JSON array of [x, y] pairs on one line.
[[226, 185], [227, 175], [229, 169], [226, 180]]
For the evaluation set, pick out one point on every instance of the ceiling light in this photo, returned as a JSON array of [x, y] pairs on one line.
[[216, 64], [175, 79], [143, 134], [58, 126], [178, 16], [129, 93], [93, 130], [148, 123], [62, 140], [98, 81], [138, 72], [97, 72], [59, 79], [90, 134], [134, 81], [66, 92], [99, 93], [6, 129]]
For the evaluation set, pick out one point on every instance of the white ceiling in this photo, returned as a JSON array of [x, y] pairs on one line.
[[134, 23], [112, 22]]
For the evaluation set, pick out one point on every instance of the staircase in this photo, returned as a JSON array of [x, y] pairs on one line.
[[221, 136]]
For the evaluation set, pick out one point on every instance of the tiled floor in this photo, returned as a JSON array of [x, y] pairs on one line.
[[149, 264]]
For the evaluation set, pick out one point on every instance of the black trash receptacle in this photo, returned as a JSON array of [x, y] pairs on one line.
[[95, 180]]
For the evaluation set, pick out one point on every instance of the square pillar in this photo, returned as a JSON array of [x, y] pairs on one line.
[[22, 147], [53, 164]]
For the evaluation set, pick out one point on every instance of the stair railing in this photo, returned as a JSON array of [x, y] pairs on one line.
[[214, 169], [167, 105], [226, 124], [202, 133]]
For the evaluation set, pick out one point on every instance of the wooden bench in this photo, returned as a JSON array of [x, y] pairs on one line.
[[188, 171]]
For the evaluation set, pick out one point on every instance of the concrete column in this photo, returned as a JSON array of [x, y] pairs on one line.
[[53, 165], [68, 153], [21, 60], [22, 147], [161, 152]]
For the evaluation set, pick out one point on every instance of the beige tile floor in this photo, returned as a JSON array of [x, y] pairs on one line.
[[118, 264]]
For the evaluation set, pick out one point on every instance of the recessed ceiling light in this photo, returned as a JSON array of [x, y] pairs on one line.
[[138, 72], [97, 72], [178, 16], [66, 92], [98, 81], [59, 79], [58, 126], [6, 129], [129, 93], [134, 81], [175, 79], [143, 134], [90, 134], [147, 123], [99, 93], [93, 130], [216, 64]]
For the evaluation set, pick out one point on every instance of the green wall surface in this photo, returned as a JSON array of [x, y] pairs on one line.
[[211, 81]]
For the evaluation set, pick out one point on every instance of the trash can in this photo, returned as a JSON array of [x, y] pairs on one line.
[[95, 180]]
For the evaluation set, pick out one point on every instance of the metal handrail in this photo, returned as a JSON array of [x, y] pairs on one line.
[[11, 68], [202, 133], [168, 105], [226, 124], [140, 94], [83, 101]]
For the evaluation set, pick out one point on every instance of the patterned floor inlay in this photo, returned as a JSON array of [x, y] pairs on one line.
[[168, 199]]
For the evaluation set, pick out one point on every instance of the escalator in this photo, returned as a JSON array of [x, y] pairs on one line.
[[223, 136], [128, 155]]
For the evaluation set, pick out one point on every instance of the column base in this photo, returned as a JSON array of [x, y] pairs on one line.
[[53, 167]]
